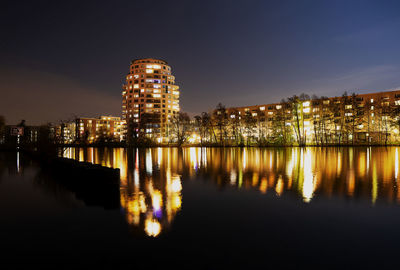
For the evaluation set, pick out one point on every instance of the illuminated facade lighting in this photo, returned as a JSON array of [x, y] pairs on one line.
[[150, 93]]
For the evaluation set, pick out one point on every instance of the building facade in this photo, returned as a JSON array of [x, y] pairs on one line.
[[363, 118], [102, 129], [150, 98]]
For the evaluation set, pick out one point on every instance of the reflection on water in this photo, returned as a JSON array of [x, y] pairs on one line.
[[151, 178], [150, 183]]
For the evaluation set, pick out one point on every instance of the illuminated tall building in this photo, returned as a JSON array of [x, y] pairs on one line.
[[150, 98]]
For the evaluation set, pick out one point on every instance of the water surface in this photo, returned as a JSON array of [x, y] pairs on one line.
[[210, 207]]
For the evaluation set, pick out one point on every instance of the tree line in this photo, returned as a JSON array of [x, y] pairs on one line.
[[298, 120]]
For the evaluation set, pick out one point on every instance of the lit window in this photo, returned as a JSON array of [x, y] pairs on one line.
[[149, 71], [149, 105], [348, 106], [278, 107], [156, 95], [325, 102], [136, 86], [233, 116], [348, 114], [254, 114], [306, 110], [372, 100], [262, 108], [270, 113], [306, 104], [397, 102]]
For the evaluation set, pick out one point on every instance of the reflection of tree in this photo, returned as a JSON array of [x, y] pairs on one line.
[[341, 172], [51, 187], [151, 185]]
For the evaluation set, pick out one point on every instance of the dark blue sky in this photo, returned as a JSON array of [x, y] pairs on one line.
[[60, 59]]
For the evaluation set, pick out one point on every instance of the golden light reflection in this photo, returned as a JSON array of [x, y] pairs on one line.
[[308, 184], [151, 179], [264, 185], [279, 186], [396, 164], [152, 227]]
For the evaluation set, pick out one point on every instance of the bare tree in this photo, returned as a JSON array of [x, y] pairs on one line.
[[181, 127], [296, 106], [220, 117], [249, 124]]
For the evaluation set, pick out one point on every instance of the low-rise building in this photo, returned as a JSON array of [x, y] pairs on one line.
[[102, 129], [361, 118]]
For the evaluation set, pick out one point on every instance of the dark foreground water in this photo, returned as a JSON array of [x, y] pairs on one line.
[[210, 208]]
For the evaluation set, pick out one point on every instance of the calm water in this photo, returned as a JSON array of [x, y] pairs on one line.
[[210, 208]]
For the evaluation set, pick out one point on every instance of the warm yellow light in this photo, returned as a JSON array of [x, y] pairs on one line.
[[156, 200], [176, 185], [279, 186], [152, 227]]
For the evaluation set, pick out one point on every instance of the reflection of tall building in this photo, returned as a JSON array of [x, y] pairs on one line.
[[151, 186], [151, 179], [151, 200], [150, 98]]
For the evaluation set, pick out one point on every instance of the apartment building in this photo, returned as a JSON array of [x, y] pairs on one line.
[[150, 98], [369, 118], [104, 128]]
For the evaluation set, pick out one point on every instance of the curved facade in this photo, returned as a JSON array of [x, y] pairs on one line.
[[150, 98]]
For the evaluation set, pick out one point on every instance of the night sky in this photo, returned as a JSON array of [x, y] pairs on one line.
[[61, 59]]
